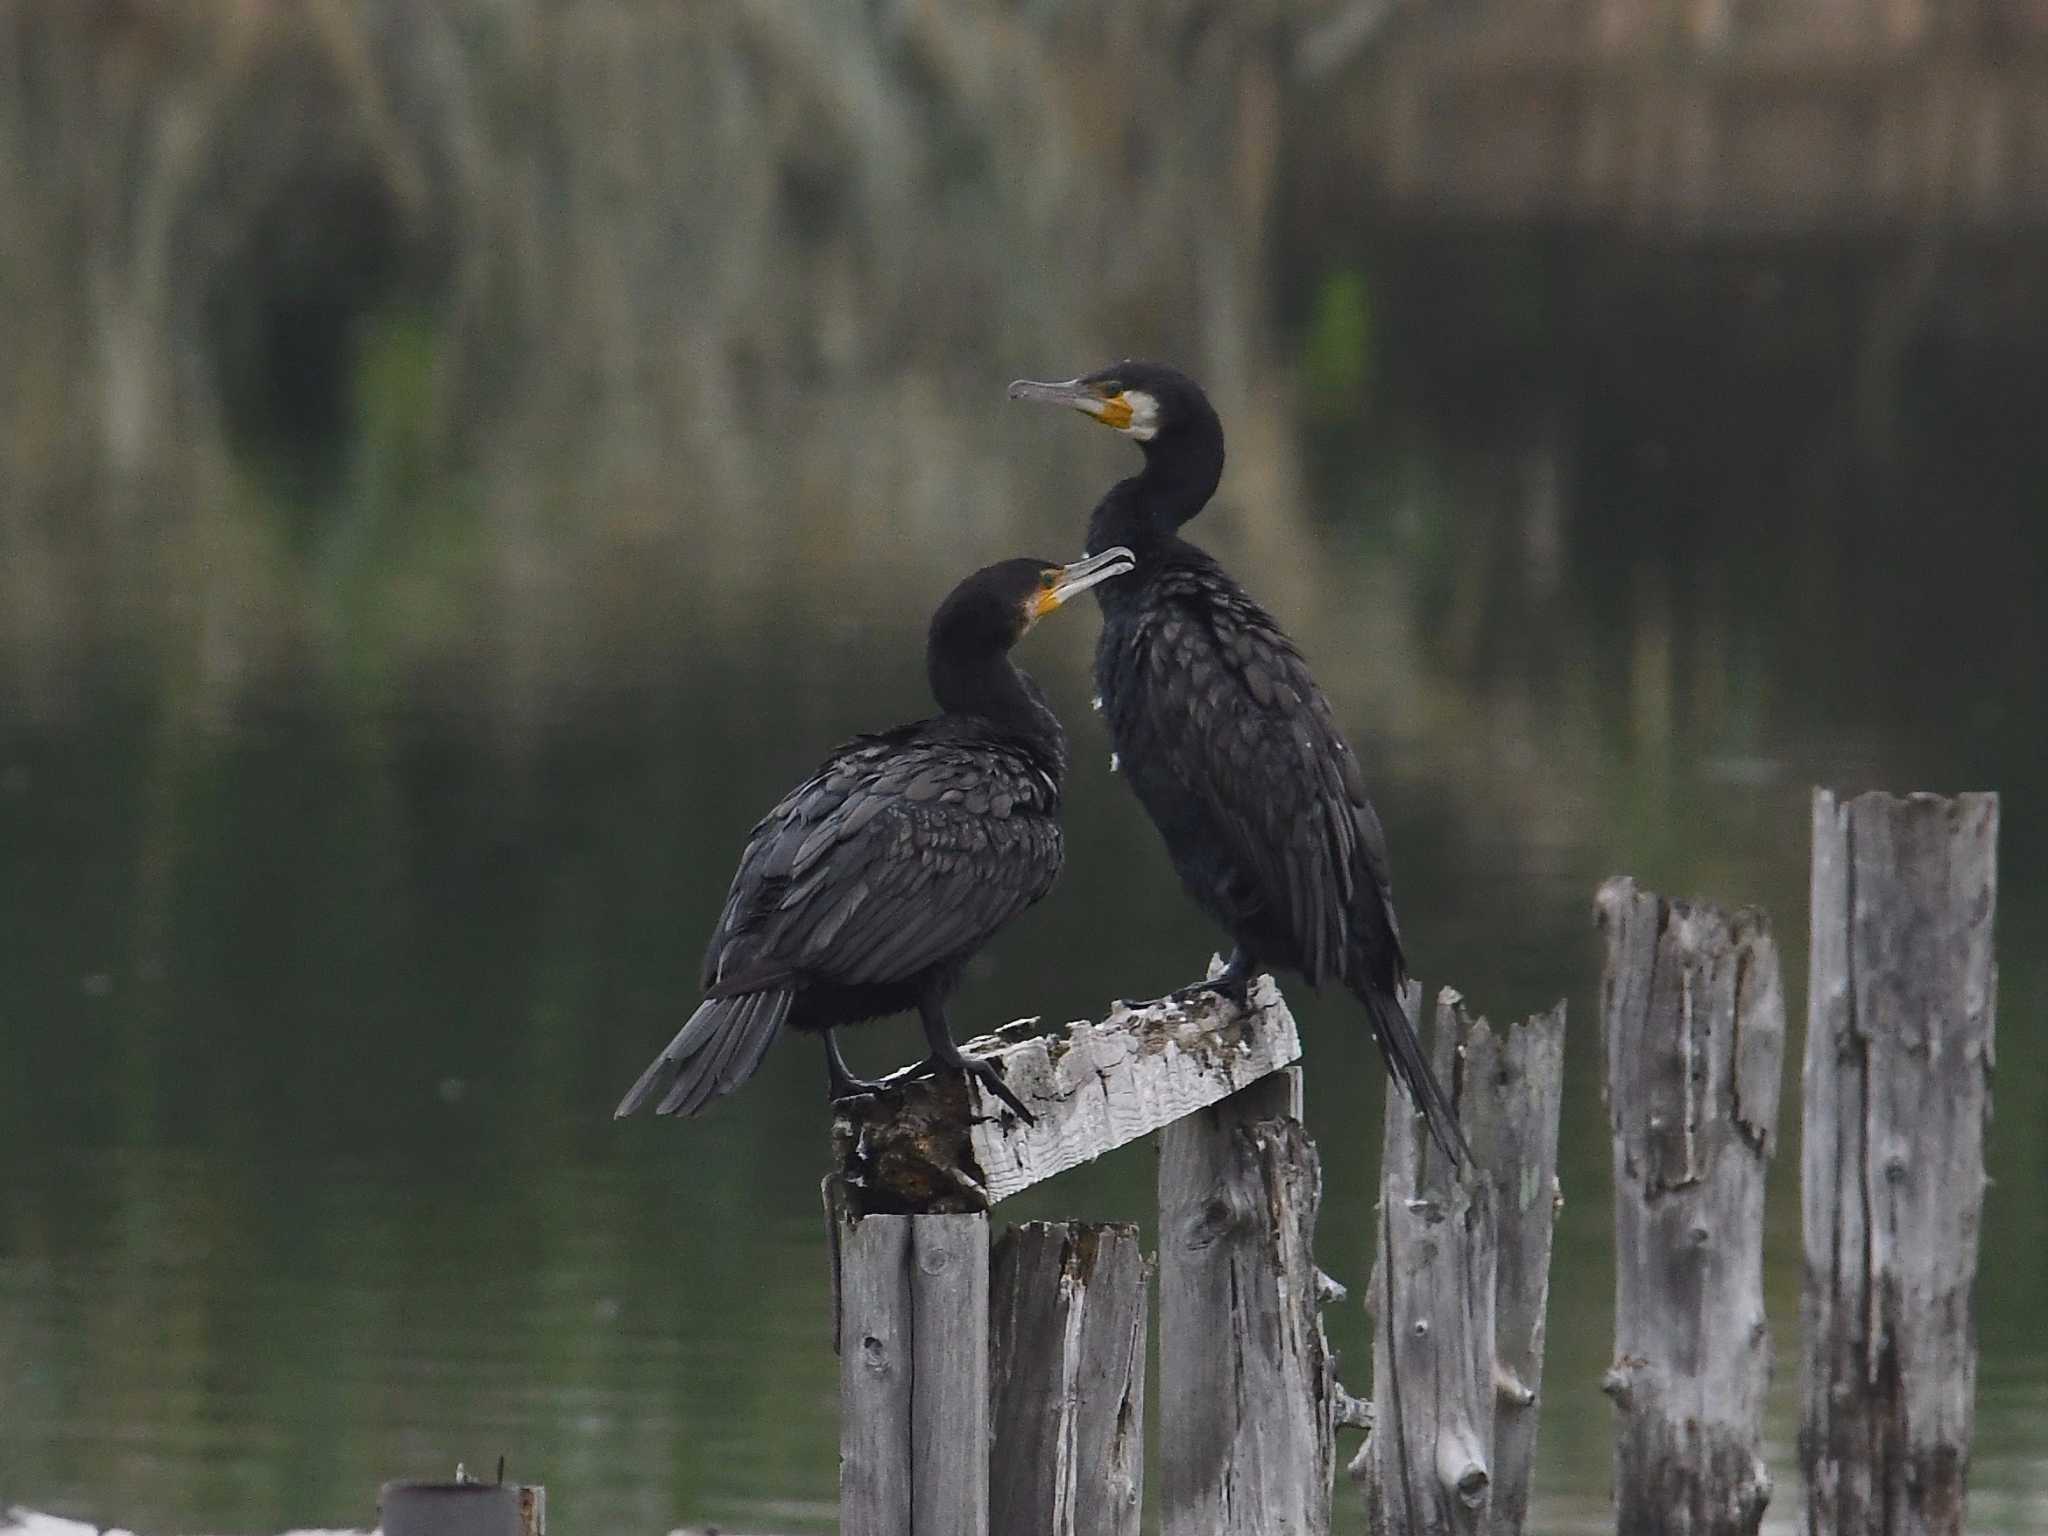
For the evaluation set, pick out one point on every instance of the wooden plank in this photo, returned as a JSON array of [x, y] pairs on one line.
[[949, 1394], [1246, 1383], [876, 1366], [1067, 1304], [1901, 1006], [941, 1144], [1694, 1023], [1428, 1467]]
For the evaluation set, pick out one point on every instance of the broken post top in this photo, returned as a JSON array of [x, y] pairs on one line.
[[1693, 1014], [939, 1143]]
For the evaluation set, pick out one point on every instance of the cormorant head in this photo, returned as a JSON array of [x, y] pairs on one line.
[[1166, 414], [1148, 402], [992, 609]]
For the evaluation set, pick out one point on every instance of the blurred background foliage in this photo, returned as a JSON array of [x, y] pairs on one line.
[[458, 463]]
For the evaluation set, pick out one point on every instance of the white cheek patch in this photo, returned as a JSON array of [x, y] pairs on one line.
[[1144, 415]]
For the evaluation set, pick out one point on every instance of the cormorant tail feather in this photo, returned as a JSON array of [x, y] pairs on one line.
[[1410, 1068], [718, 1049]]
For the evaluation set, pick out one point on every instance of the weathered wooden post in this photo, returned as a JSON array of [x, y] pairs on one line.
[[1510, 1094], [1428, 1466], [1460, 1283], [1068, 1307], [920, 1164], [913, 1375], [1694, 1018], [1247, 1391], [1901, 1002]]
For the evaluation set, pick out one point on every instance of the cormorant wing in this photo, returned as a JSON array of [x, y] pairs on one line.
[[1256, 744], [900, 853]]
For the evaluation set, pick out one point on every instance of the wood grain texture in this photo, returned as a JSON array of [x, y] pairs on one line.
[[1246, 1384], [1428, 1467], [941, 1144], [1901, 1008], [949, 1390], [913, 1375], [1510, 1093], [1068, 1312], [876, 1366], [1693, 1017]]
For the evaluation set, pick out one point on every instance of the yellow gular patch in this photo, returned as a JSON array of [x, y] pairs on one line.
[[1115, 412], [1042, 602]]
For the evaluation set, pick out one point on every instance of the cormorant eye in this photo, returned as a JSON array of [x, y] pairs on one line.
[[1109, 389], [1048, 580]]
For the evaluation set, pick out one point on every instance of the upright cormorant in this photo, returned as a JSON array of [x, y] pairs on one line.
[[869, 887], [1225, 737]]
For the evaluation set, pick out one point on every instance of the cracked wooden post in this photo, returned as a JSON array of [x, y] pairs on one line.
[[1901, 1000], [1510, 1092], [913, 1375], [1693, 1015], [1248, 1398], [1067, 1346], [1427, 1468]]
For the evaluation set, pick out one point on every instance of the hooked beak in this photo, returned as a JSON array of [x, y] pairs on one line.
[[1113, 411], [1081, 575]]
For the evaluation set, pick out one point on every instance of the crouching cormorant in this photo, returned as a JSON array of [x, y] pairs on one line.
[[1226, 739], [869, 887]]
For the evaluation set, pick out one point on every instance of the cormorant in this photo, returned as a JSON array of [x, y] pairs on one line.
[[1226, 739], [869, 887]]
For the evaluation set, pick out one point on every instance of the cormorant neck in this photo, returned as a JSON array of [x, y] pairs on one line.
[[1183, 467], [987, 685]]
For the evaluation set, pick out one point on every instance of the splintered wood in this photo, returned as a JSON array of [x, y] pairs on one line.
[[1694, 1022], [944, 1144], [1248, 1397], [1509, 1095], [1900, 1003], [1068, 1310], [1459, 1286]]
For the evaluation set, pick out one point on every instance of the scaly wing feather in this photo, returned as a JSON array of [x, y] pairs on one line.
[[897, 856]]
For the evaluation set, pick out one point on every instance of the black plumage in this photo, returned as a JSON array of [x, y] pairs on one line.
[[866, 890], [1225, 738]]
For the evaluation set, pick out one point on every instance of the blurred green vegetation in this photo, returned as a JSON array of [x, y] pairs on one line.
[[1337, 355]]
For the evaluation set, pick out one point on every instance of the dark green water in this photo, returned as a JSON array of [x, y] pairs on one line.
[[317, 989]]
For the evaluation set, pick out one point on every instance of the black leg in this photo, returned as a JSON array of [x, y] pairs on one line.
[[1233, 983], [1235, 980], [841, 1083], [946, 1054]]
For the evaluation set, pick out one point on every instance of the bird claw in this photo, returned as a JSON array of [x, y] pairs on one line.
[[993, 1081], [986, 1071], [854, 1088], [1235, 990]]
